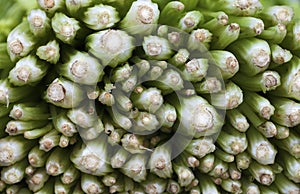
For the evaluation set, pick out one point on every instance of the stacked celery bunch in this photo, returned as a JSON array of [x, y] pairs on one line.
[[141, 96]]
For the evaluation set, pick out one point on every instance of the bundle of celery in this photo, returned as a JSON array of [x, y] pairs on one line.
[[141, 96]]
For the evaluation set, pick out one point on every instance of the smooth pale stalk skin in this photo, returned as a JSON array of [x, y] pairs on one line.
[[65, 28], [14, 173], [282, 132], [160, 162], [157, 48], [55, 164], [49, 52], [28, 71], [228, 99], [243, 160], [154, 184], [75, 7], [234, 173], [70, 175], [167, 115], [197, 116], [150, 99], [134, 143], [37, 180], [210, 85], [199, 39], [290, 79], [37, 158], [10, 94], [92, 92], [28, 112], [106, 98], [124, 103], [290, 144], [115, 46], [171, 80], [250, 26], [253, 54], [222, 155], [275, 34], [260, 104], [121, 73], [249, 187], [260, 148], [287, 111], [145, 121], [277, 14], [64, 93], [110, 179], [175, 38], [91, 132], [142, 65], [201, 147], [119, 119], [60, 187], [284, 185], [49, 140], [170, 14], [265, 81], [173, 187], [237, 8], [51, 6], [14, 149], [267, 129], [279, 55], [129, 84], [85, 116], [190, 4], [292, 37], [115, 136], [141, 17], [232, 186], [47, 188], [225, 36], [39, 23], [195, 70], [206, 163], [135, 167], [92, 157], [214, 20], [190, 20], [291, 166], [206, 185], [185, 175], [62, 123], [254, 119], [91, 184], [220, 168], [262, 173], [180, 58], [226, 62], [100, 17], [119, 158], [237, 120], [80, 67], [20, 42], [20, 127]]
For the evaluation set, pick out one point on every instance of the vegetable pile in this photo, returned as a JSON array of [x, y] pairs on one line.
[[141, 96]]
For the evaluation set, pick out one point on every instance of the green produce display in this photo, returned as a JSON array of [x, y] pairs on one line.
[[149, 96]]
